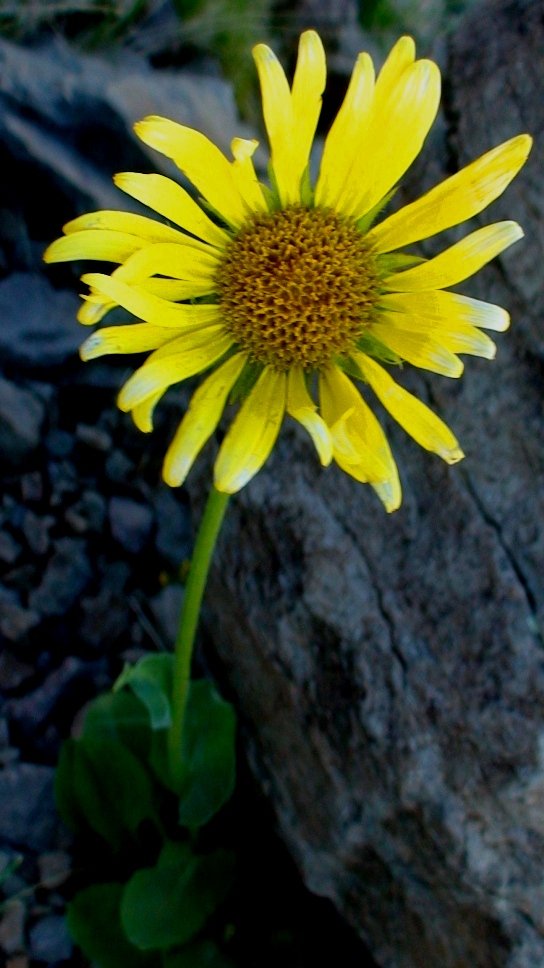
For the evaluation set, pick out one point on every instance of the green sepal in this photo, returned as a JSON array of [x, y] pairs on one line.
[[199, 954], [100, 784], [274, 190], [151, 681], [208, 754], [397, 261], [368, 344], [350, 367], [245, 382], [270, 198], [94, 922], [366, 221], [168, 904], [306, 190]]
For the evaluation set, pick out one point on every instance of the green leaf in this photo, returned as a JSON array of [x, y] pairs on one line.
[[151, 681], [101, 784], [245, 382], [200, 954], [94, 923], [208, 754], [120, 716], [374, 347], [168, 904]]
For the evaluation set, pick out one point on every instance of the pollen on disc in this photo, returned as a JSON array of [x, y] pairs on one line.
[[297, 287]]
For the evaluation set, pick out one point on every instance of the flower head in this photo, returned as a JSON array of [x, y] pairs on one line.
[[283, 293]]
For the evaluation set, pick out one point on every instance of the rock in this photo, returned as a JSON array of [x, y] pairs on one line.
[[49, 940], [34, 709], [21, 413], [389, 669], [67, 575], [166, 607], [12, 672], [55, 867], [39, 327], [88, 514], [12, 926], [119, 468], [174, 532], [94, 437], [9, 549], [31, 487], [130, 523], [15, 620], [28, 818], [59, 443], [106, 616], [36, 531]]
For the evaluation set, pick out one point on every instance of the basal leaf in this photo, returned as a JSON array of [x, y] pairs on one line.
[[151, 681], [94, 922]]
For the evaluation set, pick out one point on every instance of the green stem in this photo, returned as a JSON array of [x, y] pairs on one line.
[[183, 650]]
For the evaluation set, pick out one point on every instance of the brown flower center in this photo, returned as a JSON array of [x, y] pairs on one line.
[[297, 287]]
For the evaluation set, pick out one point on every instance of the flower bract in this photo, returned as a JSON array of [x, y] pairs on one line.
[[289, 298]]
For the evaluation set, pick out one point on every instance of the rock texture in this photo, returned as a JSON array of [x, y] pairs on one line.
[[389, 670]]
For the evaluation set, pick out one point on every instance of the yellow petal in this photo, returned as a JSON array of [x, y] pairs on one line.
[[252, 434], [419, 349], [245, 177], [144, 228], [401, 56], [343, 406], [93, 308], [344, 139], [151, 308], [102, 244], [308, 86], [174, 290], [301, 406], [179, 359], [417, 419], [396, 134], [201, 419], [459, 261], [200, 160], [171, 200], [278, 119], [132, 338], [452, 333], [142, 415], [447, 307], [455, 200], [167, 259]]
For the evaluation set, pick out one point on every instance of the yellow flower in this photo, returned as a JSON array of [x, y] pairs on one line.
[[295, 287]]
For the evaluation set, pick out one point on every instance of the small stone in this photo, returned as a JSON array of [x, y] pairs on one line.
[[166, 607], [174, 535], [130, 523], [15, 620], [88, 514], [31, 487], [31, 711], [12, 927], [59, 443], [49, 940], [12, 672], [65, 578], [28, 817], [20, 961], [94, 437], [119, 468], [64, 479], [54, 867], [106, 615], [9, 548], [36, 531], [21, 419]]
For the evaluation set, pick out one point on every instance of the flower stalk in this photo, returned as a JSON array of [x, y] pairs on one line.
[[210, 527]]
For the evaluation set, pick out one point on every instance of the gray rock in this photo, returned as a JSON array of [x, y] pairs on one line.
[[166, 607], [55, 868], [31, 487], [28, 818], [21, 413], [12, 927], [49, 940], [130, 523], [9, 548], [174, 531], [389, 669], [67, 575], [106, 616], [13, 673], [39, 327], [36, 531], [15, 620], [33, 710], [94, 437], [119, 468]]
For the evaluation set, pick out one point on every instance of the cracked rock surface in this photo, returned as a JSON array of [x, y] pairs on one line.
[[390, 669]]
